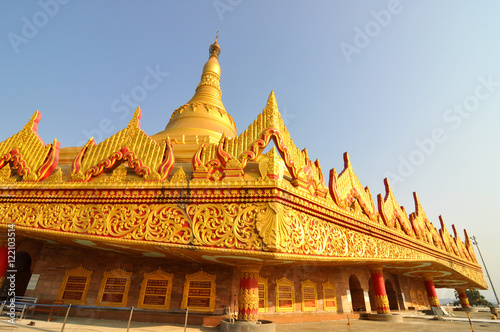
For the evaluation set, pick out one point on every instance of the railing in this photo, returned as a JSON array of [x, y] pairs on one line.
[[25, 305]]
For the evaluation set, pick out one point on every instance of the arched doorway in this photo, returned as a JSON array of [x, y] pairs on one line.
[[357, 295], [391, 296], [22, 277]]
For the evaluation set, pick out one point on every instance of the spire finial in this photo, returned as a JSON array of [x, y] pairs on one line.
[[215, 48]]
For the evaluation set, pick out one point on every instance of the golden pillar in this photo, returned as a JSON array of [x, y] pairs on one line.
[[381, 299], [248, 298], [462, 295], [431, 291]]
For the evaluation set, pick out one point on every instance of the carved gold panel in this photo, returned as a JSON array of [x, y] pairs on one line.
[[420, 298], [263, 307], [309, 295], [156, 289], [75, 286], [329, 296], [285, 295], [414, 299], [199, 292], [114, 288]]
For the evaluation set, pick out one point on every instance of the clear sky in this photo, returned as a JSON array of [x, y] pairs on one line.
[[411, 89]]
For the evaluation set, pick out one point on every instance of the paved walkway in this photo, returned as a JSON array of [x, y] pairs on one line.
[[481, 322]]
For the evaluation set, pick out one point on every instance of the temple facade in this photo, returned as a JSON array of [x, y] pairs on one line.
[[200, 217]]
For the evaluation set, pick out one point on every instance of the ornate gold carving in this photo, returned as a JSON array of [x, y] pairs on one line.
[[449, 244], [272, 166], [226, 225], [424, 230], [250, 144], [285, 295], [179, 177], [56, 177], [269, 226], [119, 175], [154, 161], [29, 155], [75, 286], [156, 289], [434, 301], [393, 215], [329, 296], [346, 188], [157, 223], [382, 303], [114, 288], [248, 304], [199, 292], [5, 175], [309, 295], [470, 248], [462, 250]]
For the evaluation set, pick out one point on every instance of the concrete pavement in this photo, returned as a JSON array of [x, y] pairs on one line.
[[412, 323]]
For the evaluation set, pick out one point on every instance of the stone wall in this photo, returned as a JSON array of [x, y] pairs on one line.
[[51, 261]]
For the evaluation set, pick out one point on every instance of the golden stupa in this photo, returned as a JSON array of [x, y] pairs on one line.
[[204, 118]]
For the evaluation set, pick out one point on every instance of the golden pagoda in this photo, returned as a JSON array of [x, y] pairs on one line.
[[199, 217]]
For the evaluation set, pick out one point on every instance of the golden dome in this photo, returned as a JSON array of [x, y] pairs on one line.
[[204, 117]]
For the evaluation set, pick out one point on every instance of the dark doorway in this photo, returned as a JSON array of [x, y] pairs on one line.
[[357, 295], [391, 296], [23, 276]]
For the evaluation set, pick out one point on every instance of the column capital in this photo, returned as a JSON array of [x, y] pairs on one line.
[[249, 267], [376, 269], [427, 277]]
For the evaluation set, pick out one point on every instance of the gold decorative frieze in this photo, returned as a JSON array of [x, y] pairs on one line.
[[151, 160], [156, 289], [225, 225], [309, 295], [285, 295], [199, 292], [257, 227], [75, 286], [114, 288], [28, 154]]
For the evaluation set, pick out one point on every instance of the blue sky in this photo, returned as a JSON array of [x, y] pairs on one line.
[[411, 89]]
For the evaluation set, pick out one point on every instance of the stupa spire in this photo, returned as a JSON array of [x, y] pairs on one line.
[[204, 117], [208, 91]]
